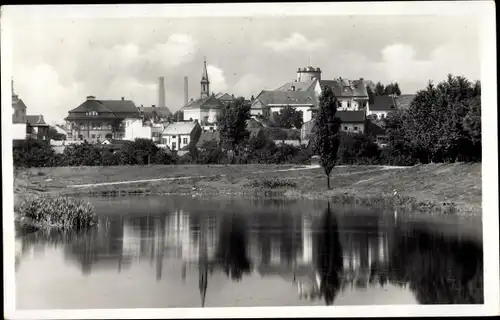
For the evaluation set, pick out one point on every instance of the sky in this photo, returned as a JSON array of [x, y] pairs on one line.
[[57, 62]]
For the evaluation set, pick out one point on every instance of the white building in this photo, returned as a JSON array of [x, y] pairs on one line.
[[137, 128], [268, 102], [178, 135]]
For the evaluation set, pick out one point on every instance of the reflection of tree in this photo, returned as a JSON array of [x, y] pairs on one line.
[[439, 270], [329, 257], [231, 253]]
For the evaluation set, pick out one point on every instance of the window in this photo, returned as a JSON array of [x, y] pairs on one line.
[[345, 128], [355, 128], [211, 128], [185, 140], [173, 137], [348, 104], [110, 126], [173, 145], [382, 116], [82, 126]]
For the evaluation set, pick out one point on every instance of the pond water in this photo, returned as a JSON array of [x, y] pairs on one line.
[[164, 251]]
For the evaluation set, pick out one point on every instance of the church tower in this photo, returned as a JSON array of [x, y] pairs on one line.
[[205, 84]]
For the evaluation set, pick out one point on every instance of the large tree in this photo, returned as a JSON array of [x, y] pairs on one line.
[[326, 142], [232, 123], [288, 117]]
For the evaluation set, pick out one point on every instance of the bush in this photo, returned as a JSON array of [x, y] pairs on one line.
[[84, 154], [162, 157], [32, 153], [357, 149], [55, 213], [270, 183], [141, 151]]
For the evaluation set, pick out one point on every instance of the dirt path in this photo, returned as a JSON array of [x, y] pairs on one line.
[[309, 167]]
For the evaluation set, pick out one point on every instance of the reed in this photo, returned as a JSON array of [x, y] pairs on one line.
[[54, 212]]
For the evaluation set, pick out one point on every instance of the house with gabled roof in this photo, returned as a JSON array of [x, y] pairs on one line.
[[352, 94], [96, 120], [178, 135], [381, 106], [268, 102]]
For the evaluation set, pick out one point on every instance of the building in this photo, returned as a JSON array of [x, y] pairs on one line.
[[18, 117], [156, 114], [205, 109], [178, 135], [96, 120], [351, 94], [36, 128], [268, 102], [381, 106], [143, 129], [225, 98]]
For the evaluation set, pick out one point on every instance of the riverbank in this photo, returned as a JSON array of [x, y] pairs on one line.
[[439, 188]]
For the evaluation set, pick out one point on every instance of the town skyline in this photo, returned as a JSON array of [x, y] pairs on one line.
[[69, 60]]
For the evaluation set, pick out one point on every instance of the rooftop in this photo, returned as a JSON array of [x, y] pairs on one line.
[[113, 107], [178, 128], [205, 103], [351, 116], [403, 101], [383, 103], [36, 120], [346, 88], [286, 98], [299, 86]]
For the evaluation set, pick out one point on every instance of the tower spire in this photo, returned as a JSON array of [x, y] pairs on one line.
[[205, 83]]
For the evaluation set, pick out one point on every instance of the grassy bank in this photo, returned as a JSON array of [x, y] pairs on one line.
[[440, 188]]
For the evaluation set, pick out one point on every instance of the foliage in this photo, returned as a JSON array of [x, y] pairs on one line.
[[84, 154], [141, 151], [390, 89], [357, 149], [370, 95], [32, 153], [326, 142], [232, 123], [54, 135], [45, 211], [288, 117], [270, 183]]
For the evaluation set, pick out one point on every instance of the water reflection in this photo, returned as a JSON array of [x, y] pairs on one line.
[[322, 255]]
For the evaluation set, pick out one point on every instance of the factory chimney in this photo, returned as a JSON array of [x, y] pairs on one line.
[[185, 90], [161, 92]]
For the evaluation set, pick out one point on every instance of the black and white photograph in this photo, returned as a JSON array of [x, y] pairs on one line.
[[250, 160]]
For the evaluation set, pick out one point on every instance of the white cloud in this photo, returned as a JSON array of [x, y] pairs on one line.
[[249, 84], [217, 79], [296, 42]]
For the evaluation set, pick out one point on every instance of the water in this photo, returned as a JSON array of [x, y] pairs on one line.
[[160, 252]]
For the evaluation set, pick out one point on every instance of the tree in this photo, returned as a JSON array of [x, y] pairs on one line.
[[326, 142], [141, 151], [370, 95], [32, 153], [288, 117], [379, 89], [232, 124], [54, 135], [396, 89]]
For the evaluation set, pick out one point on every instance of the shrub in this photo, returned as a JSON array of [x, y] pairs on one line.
[[32, 153], [162, 157], [55, 212], [84, 154], [185, 159], [270, 183], [141, 151]]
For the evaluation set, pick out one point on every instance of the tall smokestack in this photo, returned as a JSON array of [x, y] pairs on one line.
[[161, 92], [185, 90]]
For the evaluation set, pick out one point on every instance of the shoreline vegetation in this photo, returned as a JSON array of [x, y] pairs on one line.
[[438, 189]]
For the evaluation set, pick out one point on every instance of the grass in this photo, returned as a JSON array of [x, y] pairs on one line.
[[440, 188], [55, 213]]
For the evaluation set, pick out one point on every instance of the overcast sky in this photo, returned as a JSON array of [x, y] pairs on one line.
[[58, 62]]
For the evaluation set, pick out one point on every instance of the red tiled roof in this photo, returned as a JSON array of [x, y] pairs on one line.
[[383, 103]]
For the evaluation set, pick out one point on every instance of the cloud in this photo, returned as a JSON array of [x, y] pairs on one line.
[[249, 84], [296, 42], [217, 79]]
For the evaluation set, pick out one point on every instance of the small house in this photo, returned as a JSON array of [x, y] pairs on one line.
[[178, 135]]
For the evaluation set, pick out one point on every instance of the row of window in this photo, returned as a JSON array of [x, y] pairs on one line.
[[92, 113], [96, 126]]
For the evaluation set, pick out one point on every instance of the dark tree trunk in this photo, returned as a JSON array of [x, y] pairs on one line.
[[328, 181]]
